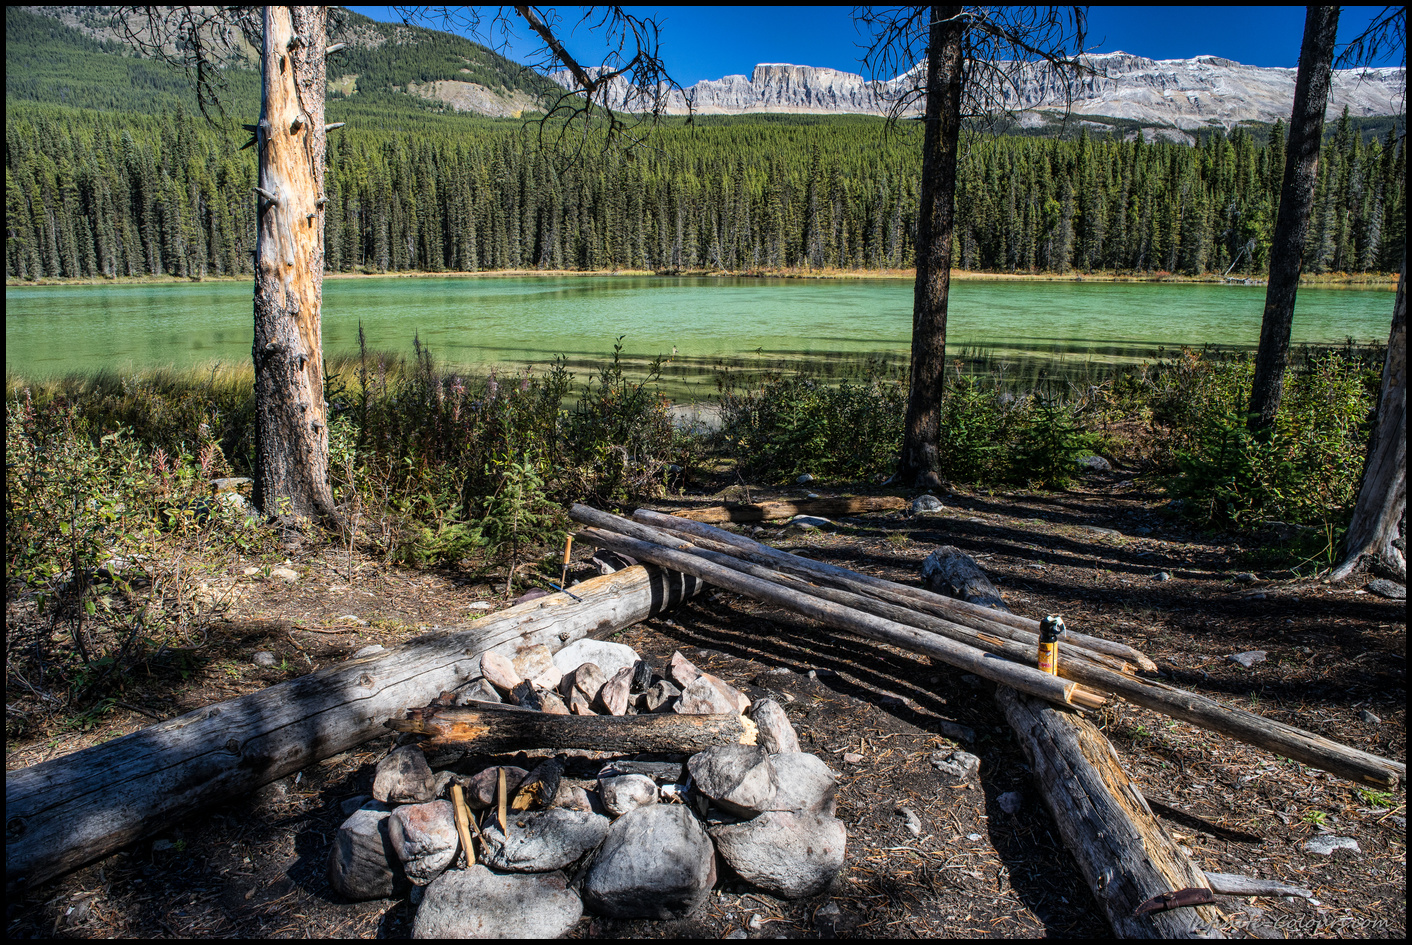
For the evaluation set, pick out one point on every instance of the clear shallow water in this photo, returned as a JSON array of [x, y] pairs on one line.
[[710, 322]]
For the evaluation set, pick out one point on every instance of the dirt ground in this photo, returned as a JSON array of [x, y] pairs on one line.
[[1336, 664]]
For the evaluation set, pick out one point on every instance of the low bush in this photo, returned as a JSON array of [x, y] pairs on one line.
[[791, 425], [1305, 470]]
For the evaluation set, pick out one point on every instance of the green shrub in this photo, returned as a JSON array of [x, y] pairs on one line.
[[619, 439], [108, 540], [973, 430], [1305, 470], [1050, 437], [791, 425]]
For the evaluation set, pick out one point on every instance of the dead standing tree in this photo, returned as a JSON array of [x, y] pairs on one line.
[[973, 56]]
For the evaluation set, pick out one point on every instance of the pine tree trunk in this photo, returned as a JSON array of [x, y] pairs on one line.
[[1382, 498], [1306, 130], [920, 458], [291, 429]]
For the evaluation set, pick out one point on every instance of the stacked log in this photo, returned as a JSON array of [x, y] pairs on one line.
[[985, 653]]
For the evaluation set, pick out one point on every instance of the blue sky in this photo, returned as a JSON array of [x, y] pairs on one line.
[[709, 42]]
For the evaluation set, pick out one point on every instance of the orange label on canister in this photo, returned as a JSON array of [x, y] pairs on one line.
[[1049, 658], [1049, 630]]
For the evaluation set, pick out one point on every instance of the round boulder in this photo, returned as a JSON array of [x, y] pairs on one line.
[[791, 854], [656, 863], [477, 903]]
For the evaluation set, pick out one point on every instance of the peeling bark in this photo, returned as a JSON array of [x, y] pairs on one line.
[[291, 422]]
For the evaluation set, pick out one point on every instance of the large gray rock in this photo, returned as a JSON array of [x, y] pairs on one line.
[[482, 787], [609, 656], [805, 784], [702, 697], [424, 838], [924, 503], [660, 695], [362, 864], [739, 778], [404, 777], [776, 733], [656, 862], [626, 792], [613, 697], [587, 679], [477, 903], [542, 840], [790, 854]]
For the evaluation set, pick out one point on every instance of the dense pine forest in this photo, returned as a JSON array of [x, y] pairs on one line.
[[125, 180]]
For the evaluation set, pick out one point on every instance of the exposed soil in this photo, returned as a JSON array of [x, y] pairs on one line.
[[1336, 664]]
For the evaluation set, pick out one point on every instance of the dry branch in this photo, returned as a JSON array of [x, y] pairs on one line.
[[79, 808], [766, 511]]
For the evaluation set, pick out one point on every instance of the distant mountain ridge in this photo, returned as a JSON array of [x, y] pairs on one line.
[[1168, 98], [1185, 94]]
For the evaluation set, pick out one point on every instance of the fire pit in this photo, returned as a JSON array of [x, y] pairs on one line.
[[629, 784]]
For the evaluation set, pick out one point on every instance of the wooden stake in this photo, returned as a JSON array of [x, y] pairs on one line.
[[500, 800], [463, 819]]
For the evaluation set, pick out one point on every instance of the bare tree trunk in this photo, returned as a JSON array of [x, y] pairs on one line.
[[291, 429], [1382, 498], [1306, 130], [920, 460]]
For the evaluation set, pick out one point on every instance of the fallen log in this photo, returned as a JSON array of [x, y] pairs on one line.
[[494, 729], [783, 567], [986, 665], [1124, 853], [963, 612], [63, 813], [765, 511]]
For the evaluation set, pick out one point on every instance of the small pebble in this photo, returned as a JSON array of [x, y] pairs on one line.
[[852, 757], [1368, 717], [1248, 659], [1162, 576]]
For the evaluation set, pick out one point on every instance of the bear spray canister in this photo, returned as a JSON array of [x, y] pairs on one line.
[[1050, 629]]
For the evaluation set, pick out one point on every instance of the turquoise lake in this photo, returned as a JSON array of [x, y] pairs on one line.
[[703, 324]]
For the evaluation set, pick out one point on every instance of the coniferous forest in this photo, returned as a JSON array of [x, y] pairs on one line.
[[124, 180]]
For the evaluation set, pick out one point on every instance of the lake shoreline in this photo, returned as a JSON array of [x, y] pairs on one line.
[[1374, 281]]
